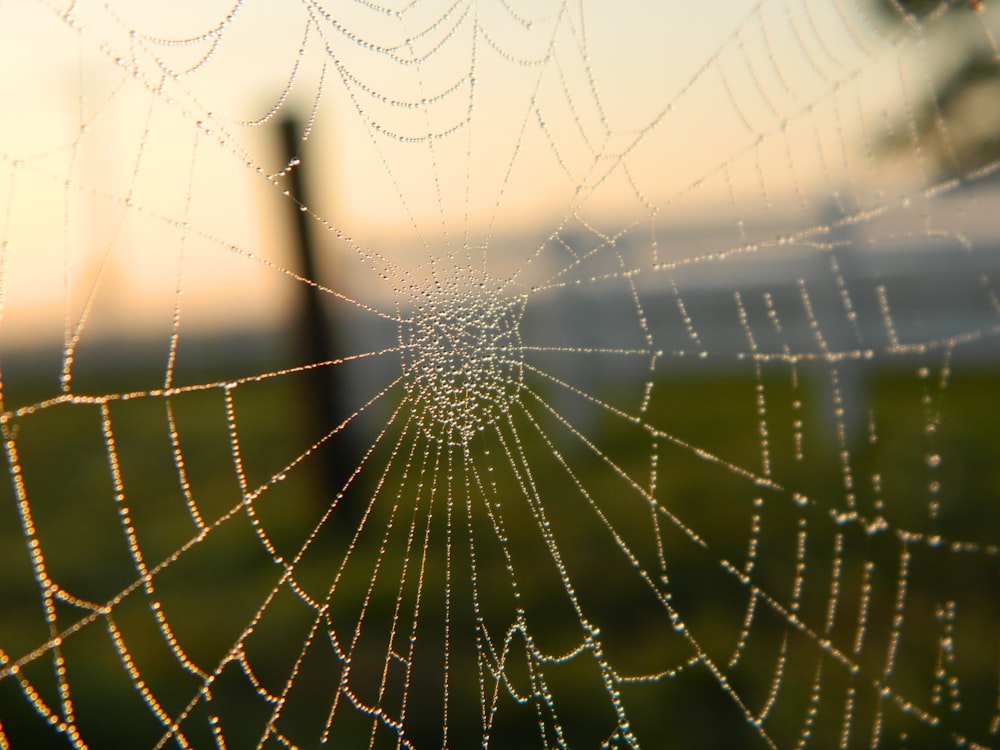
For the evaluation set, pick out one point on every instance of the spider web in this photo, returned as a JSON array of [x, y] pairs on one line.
[[667, 377]]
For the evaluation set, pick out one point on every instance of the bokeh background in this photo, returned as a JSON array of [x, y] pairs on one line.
[[738, 486]]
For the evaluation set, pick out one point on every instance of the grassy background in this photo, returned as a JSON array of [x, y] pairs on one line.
[[210, 592]]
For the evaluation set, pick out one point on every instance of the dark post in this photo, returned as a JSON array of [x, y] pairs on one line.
[[325, 403]]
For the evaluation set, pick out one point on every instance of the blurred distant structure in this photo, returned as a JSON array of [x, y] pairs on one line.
[[957, 127], [317, 340]]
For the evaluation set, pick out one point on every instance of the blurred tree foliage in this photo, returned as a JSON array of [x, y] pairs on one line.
[[958, 125]]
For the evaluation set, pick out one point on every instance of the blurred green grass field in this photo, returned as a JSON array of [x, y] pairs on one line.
[[211, 591]]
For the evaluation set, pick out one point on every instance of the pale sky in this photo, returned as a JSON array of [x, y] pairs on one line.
[[130, 163]]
